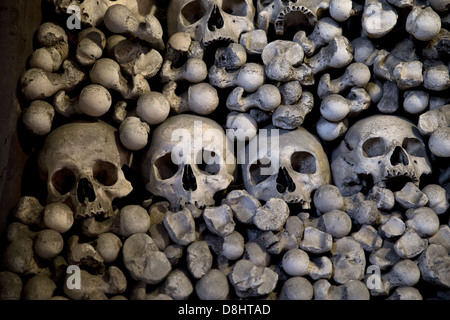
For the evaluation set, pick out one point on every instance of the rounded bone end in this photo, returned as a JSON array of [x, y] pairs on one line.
[[334, 107], [341, 10], [424, 24], [359, 74], [134, 133], [180, 41], [203, 98], [38, 118], [95, 100], [153, 108], [297, 288], [212, 286], [58, 216]]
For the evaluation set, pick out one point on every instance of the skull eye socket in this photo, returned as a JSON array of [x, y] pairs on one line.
[[373, 147], [105, 173], [303, 162], [165, 168], [257, 170], [63, 180], [414, 147], [192, 12], [235, 7], [265, 3], [208, 162]]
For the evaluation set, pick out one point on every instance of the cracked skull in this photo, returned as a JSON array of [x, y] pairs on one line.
[[383, 150], [284, 13], [286, 164], [208, 21], [82, 165], [188, 161]]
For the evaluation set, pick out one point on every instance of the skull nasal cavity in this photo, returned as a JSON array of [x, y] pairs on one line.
[[189, 181], [85, 190], [215, 20], [399, 156], [284, 181]]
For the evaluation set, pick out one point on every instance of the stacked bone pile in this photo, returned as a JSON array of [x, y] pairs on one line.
[[357, 206]]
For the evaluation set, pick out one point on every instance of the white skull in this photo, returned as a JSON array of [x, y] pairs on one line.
[[211, 20], [284, 13], [382, 150], [93, 11], [82, 165], [302, 166], [202, 163]]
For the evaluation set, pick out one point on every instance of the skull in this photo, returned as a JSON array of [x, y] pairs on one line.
[[298, 165], [211, 20], [382, 150], [284, 13], [93, 11], [82, 165], [188, 161]]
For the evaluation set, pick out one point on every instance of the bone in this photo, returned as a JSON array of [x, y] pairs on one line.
[[153, 108], [113, 281], [242, 125], [243, 278], [119, 19], [330, 131], [343, 251], [91, 43], [37, 84], [424, 24], [335, 222], [334, 107], [433, 119], [356, 75], [109, 246], [10, 286], [54, 48], [250, 77], [384, 198], [316, 241], [177, 285], [342, 10], [193, 71], [212, 286], [415, 101], [111, 43], [292, 116], [180, 226], [404, 273], [255, 253], [38, 118], [174, 253], [231, 57], [84, 255], [401, 3], [290, 92], [219, 220], [436, 76], [272, 215], [424, 220], [366, 211], [243, 205], [375, 91], [437, 198], [368, 238], [405, 293], [384, 257], [392, 228], [328, 198], [296, 262], [233, 246], [441, 237], [324, 32], [254, 41], [143, 259], [410, 197], [106, 72], [134, 133], [266, 98], [439, 142], [39, 287], [290, 51], [410, 244], [434, 263], [389, 102], [378, 18], [351, 290], [159, 235], [296, 288], [199, 259], [19, 258]]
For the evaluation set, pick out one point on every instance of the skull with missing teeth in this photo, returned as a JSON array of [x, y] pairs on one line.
[[188, 161], [82, 165], [284, 13], [381, 150], [285, 164], [208, 21]]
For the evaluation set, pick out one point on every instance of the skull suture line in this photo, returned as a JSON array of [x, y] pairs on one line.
[[383, 150], [203, 164], [302, 166], [208, 21], [284, 13], [82, 165]]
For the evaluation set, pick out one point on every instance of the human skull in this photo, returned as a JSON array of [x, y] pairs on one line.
[[188, 161], [298, 165], [284, 13], [382, 150], [82, 165], [208, 21], [93, 11]]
